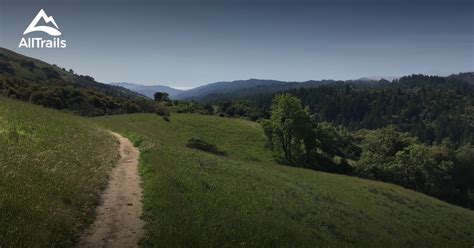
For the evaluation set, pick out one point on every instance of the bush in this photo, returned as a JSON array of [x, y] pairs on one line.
[[204, 146], [191, 107], [6, 68], [47, 98], [240, 109], [51, 73], [162, 109], [30, 65]]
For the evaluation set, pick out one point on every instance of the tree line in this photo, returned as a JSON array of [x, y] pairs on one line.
[[298, 138], [428, 107]]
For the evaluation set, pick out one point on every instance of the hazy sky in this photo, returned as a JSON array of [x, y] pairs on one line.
[[184, 43]]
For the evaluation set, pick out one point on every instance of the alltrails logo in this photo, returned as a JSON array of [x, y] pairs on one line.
[[38, 42]]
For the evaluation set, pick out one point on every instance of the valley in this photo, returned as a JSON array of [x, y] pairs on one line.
[[212, 172], [236, 123], [193, 197]]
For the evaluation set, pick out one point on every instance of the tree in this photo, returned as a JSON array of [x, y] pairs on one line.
[[336, 141], [297, 138], [379, 149], [415, 167], [161, 96], [288, 128], [396, 157], [463, 175]]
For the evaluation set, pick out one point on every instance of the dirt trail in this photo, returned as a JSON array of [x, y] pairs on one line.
[[118, 222]]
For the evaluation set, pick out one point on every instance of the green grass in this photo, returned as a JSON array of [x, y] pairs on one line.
[[193, 198], [52, 165]]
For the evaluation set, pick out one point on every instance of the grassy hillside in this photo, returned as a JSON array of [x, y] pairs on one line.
[[51, 166], [244, 199], [32, 80]]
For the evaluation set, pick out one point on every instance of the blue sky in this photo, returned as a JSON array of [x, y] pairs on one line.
[[184, 43]]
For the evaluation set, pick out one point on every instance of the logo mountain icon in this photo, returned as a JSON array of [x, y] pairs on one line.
[[47, 19]]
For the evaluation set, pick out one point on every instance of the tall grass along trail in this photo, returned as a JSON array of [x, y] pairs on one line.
[[118, 222]]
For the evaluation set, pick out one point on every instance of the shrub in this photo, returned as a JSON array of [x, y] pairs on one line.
[[191, 107], [30, 65], [204, 146], [47, 98], [162, 109], [51, 73], [6, 68]]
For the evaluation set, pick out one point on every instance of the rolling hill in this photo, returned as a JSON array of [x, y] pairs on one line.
[[232, 90], [32, 80], [216, 92], [149, 90], [54, 164], [246, 199], [243, 87]]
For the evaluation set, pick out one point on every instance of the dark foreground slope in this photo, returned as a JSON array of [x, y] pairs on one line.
[[244, 199], [51, 166], [32, 80]]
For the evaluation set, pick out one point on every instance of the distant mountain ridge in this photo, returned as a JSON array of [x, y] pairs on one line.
[[250, 86], [148, 90], [240, 88], [376, 78]]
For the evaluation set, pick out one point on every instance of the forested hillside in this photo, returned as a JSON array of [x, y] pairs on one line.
[[241, 88], [32, 80], [429, 107]]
